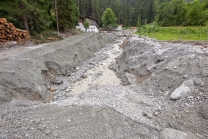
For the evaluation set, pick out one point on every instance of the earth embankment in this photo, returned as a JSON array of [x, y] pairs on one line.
[[175, 75], [26, 75]]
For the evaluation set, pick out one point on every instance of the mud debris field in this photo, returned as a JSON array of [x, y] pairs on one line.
[[117, 85]]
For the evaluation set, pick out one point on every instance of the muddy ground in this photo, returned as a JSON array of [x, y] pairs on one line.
[[88, 86]]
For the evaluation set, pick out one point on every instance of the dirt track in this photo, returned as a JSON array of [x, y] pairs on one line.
[[160, 90]]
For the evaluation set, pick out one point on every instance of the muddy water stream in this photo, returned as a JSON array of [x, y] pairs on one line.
[[105, 76]]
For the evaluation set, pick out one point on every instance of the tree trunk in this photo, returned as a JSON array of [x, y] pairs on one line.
[[56, 17], [84, 8], [31, 26], [24, 17], [78, 3]]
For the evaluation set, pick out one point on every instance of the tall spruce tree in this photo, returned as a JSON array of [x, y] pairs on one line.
[[68, 14]]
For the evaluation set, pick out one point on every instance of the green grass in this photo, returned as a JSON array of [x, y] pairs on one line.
[[174, 33]]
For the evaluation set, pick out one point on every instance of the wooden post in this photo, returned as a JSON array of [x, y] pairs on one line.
[[56, 17]]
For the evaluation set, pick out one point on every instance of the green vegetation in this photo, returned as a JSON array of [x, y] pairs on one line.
[[180, 13], [86, 24], [37, 16], [109, 19], [68, 14], [174, 33]]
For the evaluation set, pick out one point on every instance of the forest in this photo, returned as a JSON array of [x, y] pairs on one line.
[[38, 15]]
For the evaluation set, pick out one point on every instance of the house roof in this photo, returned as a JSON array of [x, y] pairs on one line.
[[82, 18], [91, 19]]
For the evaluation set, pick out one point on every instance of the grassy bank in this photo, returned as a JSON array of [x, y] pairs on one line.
[[174, 33]]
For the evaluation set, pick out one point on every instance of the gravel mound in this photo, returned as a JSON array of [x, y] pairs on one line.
[[175, 75], [27, 75]]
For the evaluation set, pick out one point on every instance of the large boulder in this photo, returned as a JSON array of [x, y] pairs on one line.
[[184, 90]]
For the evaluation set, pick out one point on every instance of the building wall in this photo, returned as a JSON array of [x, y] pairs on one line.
[[81, 20], [92, 22]]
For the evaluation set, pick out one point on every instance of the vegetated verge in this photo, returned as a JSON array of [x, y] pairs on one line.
[[174, 33]]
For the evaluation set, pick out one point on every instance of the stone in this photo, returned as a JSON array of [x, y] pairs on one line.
[[131, 78], [60, 97], [27, 135], [147, 114], [169, 133], [52, 89], [185, 90], [199, 82], [55, 80], [156, 113], [56, 135], [68, 90], [185, 76], [204, 110], [48, 132], [84, 76]]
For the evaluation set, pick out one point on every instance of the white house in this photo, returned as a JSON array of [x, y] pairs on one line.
[[92, 29], [80, 27], [81, 24], [120, 27]]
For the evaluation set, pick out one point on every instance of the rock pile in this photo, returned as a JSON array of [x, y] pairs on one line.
[[8, 32]]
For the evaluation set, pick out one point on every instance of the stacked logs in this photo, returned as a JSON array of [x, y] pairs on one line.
[[8, 32]]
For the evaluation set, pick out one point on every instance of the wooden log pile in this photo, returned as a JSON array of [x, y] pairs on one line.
[[8, 32]]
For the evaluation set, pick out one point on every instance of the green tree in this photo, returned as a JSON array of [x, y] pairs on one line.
[[109, 19], [171, 13], [86, 24], [68, 14], [195, 10], [30, 15]]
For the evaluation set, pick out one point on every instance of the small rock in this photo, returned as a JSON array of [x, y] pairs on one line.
[[55, 80], [67, 90], [183, 91], [204, 110], [60, 97], [131, 78], [199, 82], [185, 76], [52, 89], [27, 135], [147, 114], [84, 76], [56, 135], [48, 132], [156, 113]]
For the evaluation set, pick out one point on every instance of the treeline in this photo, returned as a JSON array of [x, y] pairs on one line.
[[178, 12], [38, 15], [126, 11], [164, 12]]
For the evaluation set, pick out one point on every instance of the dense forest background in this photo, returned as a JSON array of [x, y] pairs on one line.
[[38, 15]]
